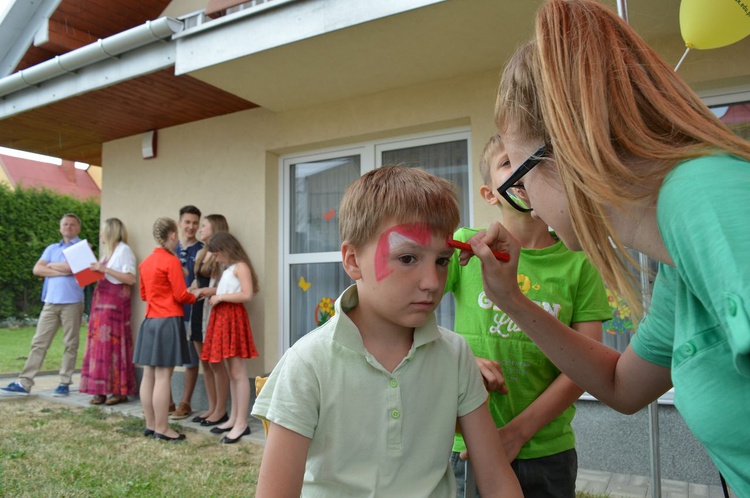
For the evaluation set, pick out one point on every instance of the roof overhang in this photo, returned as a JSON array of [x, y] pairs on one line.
[[291, 54]]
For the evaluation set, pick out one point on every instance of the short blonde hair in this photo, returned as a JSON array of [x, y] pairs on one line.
[[607, 103], [492, 149], [409, 195]]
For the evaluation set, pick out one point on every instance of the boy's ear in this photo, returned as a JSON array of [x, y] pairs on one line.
[[488, 194], [349, 258]]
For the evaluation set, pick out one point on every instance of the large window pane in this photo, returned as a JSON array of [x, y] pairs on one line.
[[317, 188], [449, 160], [309, 284]]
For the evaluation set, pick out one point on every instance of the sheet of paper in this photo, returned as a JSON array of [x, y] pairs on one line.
[[79, 257]]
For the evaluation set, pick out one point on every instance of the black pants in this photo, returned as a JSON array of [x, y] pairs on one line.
[[552, 476]]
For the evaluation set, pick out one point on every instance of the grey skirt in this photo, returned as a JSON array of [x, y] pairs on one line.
[[161, 342]]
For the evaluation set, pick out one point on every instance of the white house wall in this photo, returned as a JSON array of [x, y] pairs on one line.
[[229, 165]]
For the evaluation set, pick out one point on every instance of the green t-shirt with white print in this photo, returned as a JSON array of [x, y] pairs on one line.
[[560, 281]]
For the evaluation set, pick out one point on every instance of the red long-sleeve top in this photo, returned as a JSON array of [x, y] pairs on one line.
[[163, 285]]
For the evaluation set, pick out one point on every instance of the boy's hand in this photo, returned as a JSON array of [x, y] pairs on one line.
[[512, 442], [492, 374]]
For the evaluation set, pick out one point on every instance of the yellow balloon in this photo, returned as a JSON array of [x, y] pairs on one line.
[[714, 23]]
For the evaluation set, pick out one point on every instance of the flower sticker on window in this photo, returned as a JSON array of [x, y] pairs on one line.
[[324, 311], [622, 320]]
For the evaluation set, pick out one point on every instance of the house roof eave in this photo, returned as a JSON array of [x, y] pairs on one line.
[[18, 29]]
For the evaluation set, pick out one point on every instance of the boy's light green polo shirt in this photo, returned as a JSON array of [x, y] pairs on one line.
[[373, 432]]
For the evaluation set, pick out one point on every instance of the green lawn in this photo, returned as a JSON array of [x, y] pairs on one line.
[[16, 343], [50, 449]]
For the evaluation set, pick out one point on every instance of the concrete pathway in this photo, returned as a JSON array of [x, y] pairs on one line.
[[592, 481]]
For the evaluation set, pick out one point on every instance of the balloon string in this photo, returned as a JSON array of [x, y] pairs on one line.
[[682, 59]]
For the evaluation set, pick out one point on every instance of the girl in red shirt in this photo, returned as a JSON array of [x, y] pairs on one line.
[[161, 343]]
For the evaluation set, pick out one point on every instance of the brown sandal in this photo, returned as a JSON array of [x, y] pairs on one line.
[[115, 399], [98, 399]]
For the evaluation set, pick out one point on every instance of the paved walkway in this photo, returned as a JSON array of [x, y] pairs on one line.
[[592, 481]]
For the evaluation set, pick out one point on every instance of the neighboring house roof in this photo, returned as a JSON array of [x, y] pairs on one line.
[[737, 114], [64, 179]]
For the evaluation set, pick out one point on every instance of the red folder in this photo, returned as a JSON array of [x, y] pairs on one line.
[[87, 276]]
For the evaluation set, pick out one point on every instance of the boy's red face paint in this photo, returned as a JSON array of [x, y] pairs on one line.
[[412, 232]]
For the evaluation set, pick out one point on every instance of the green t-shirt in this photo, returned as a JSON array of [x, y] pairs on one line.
[[560, 281], [698, 321]]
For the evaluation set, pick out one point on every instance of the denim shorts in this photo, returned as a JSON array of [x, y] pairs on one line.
[[553, 476]]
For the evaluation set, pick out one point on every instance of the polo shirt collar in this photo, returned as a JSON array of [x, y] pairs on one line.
[[74, 240], [345, 332]]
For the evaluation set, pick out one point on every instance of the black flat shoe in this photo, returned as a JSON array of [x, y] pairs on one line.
[[219, 430], [198, 419], [209, 423], [181, 437], [148, 433], [228, 440]]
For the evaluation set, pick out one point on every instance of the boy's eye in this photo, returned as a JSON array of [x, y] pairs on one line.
[[407, 259], [443, 261]]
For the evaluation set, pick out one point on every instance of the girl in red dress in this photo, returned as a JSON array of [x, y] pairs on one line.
[[207, 274], [229, 338]]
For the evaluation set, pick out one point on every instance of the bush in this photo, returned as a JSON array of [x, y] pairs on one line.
[[29, 222]]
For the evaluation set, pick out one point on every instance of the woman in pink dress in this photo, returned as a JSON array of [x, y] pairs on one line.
[[107, 364]]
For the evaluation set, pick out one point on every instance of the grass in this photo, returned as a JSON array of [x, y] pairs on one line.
[[16, 343], [50, 449]]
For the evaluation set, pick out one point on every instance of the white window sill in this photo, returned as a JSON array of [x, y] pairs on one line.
[[665, 399]]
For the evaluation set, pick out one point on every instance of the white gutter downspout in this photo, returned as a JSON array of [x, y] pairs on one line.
[[108, 48]]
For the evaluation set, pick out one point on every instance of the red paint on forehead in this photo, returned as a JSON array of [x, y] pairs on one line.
[[416, 232]]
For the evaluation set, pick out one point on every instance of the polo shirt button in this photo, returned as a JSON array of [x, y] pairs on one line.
[[689, 348], [394, 383], [732, 307], [395, 414]]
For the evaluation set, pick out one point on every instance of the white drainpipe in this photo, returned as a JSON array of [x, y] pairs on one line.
[[108, 48]]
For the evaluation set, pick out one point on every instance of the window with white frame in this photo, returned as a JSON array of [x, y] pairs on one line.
[[312, 185]]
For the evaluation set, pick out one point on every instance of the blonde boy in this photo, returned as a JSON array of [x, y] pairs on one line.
[[530, 401], [366, 405]]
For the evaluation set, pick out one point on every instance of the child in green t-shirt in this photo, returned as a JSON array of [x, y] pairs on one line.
[[531, 401]]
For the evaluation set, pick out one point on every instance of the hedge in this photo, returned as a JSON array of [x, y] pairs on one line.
[[29, 222]]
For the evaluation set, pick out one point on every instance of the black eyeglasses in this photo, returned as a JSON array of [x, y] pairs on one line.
[[515, 193]]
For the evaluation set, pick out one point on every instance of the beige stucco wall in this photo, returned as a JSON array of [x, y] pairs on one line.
[[95, 172], [230, 165]]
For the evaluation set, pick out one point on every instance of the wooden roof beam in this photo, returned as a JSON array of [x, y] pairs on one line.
[[60, 38]]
